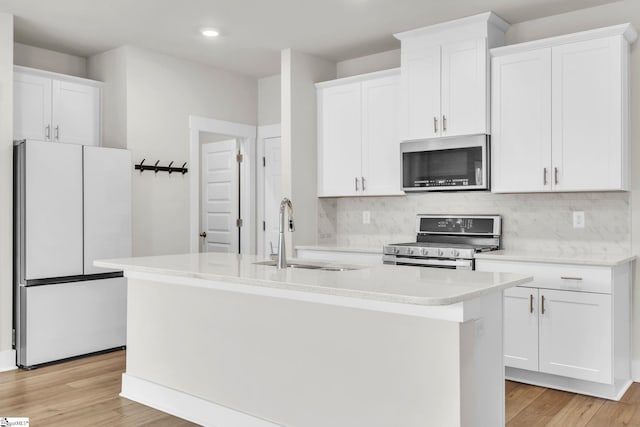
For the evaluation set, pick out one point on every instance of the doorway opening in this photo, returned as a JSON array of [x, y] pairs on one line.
[[222, 186], [269, 188]]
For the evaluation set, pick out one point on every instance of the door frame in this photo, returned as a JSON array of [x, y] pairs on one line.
[[246, 135], [264, 132]]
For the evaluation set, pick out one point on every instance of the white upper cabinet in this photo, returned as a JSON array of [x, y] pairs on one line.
[[560, 113], [445, 77], [358, 146], [55, 107]]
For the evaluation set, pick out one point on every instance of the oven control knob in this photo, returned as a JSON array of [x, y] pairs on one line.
[[394, 250], [440, 252], [424, 251], [410, 251], [456, 252]]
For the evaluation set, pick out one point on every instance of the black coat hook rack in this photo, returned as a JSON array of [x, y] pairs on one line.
[[155, 168]]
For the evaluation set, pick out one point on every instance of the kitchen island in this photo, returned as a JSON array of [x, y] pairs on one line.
[[220, 340]]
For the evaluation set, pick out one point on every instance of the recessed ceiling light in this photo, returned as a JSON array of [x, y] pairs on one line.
[[210, 32]]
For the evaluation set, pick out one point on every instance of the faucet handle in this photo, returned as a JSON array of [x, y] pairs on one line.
[[292, 227]]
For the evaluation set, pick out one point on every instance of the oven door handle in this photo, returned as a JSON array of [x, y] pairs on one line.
[[431, 262]]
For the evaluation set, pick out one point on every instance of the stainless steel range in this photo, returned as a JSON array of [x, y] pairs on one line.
[[447, 241]]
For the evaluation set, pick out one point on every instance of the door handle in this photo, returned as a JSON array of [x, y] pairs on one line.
[[364, 188], [435, 124], [56, 133], [542, 304], [203, 234], [47, 132], [444, 123], [544, 176], [531, 303], [555, 175], [357, 188]]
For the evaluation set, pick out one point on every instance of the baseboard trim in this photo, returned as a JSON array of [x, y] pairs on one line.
[[635, 371], [186, 406], [8, 360]]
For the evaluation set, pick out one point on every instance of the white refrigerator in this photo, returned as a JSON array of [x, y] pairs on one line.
[[72, 205]]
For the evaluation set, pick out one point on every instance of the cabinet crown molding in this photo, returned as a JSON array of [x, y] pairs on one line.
[[57, 76], [467, 27], [628, 31], [358, 78]]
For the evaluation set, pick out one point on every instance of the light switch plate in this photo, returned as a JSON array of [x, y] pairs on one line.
[[578, 219], [366, 217]]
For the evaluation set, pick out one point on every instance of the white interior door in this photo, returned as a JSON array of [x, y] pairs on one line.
[[220, 197], [272, 193]]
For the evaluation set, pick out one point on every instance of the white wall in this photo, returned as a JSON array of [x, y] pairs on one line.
[[45, 59], [162, 92], [299, 139], [6, 184], [269, 100], [110, 67], [368, 64]]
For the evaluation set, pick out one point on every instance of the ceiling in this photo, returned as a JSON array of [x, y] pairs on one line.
[[253, 31]]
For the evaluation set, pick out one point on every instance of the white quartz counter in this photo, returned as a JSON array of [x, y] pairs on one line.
[[608, 260], [388, 283]]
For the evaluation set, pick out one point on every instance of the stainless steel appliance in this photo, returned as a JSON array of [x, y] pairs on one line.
[[456, 163], [447, 241], [72, 205]]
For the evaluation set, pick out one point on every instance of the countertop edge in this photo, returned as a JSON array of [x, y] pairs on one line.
[[551, 259]]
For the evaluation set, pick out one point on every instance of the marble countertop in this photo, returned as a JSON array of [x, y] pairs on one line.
[[389, 283], [607, 260], [337, 248]]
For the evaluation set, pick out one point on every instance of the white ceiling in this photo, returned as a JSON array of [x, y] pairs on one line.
[[253, 31]]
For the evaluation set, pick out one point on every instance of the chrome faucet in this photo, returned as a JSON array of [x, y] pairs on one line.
[[282, 251]]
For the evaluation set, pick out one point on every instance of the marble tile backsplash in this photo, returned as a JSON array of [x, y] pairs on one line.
[[531, 222]]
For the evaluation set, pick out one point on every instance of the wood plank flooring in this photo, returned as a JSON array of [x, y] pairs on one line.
[[85, 392]]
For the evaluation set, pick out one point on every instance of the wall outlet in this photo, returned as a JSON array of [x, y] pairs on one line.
[[366, 217], [578, 219]]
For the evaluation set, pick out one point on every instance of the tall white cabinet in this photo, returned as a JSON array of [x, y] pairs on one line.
[[560, 113], [55, 107], [445, 77], [358, 144]]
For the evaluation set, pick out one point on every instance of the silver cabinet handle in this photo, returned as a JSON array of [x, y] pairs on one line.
[[444, 123], [570, 278], [544, 176], [555, 175], [531, 303], [435, 124], [56, 133], [47, 132], [542, 305], [357, 189], [364, 188]]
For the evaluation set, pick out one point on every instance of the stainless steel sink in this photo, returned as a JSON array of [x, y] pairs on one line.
[[273, 263]]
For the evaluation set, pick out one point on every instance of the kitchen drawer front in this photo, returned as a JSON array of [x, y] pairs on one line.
[[569, 277]]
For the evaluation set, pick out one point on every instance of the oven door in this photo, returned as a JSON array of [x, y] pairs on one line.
[[453, 264], [459, 163]]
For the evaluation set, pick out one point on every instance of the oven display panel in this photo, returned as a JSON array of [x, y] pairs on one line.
[[457, 225]]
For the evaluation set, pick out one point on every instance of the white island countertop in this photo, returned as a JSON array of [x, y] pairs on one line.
[[386, 283]]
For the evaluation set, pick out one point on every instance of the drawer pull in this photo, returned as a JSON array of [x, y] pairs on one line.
[[542, 304], [570, 278], [531, 303]]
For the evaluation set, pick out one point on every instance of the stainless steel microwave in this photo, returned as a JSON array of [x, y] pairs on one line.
[[456, 163]]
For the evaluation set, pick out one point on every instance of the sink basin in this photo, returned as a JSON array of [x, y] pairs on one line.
[[274, 263]]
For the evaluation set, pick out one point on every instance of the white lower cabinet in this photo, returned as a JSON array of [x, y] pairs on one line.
[[569, 328]]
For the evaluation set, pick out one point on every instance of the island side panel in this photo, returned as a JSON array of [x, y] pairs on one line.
[[295, 363]]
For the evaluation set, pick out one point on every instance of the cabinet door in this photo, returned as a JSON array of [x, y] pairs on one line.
[[587, 115], [380, 142], [521, 122], [521, 328], [53, 210], [339, 147], [420, 92], [31, 107], [76, 113], [575, 335], [464, 88]]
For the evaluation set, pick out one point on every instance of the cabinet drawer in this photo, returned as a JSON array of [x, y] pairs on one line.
[[570, 277]]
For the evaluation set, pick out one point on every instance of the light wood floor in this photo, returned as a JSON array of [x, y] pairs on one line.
[[85, 393]]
